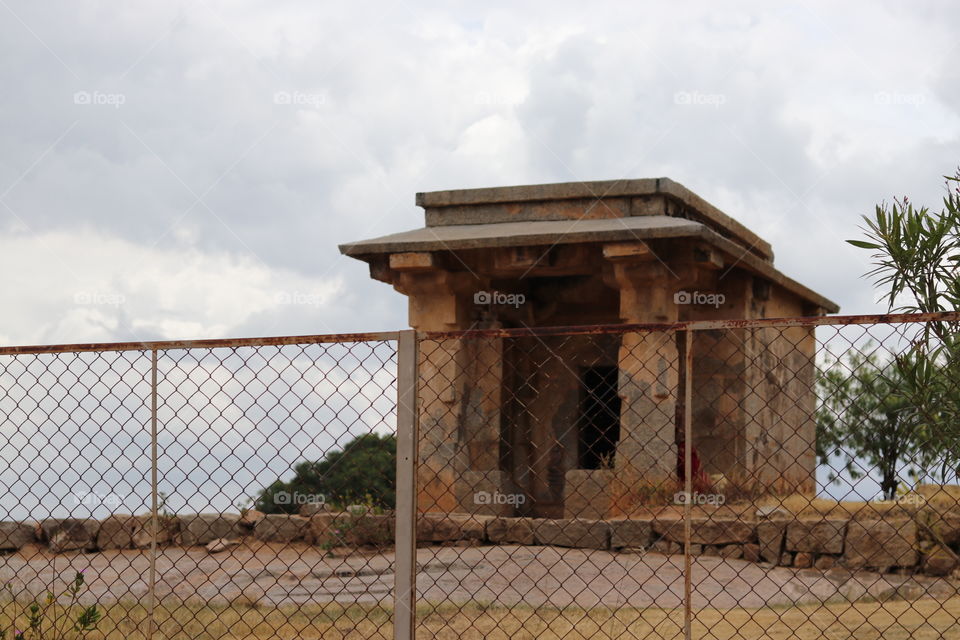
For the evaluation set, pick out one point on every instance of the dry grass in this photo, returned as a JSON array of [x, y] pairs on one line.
[[742, 498], [807, 507], [938, 499], [921, 619]]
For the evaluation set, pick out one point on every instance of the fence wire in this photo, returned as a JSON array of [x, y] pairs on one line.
[[713, 480], [255, 533], [769, 479]]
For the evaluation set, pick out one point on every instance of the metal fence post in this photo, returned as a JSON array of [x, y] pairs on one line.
[[152, 587], [404, 593], [687, 364]]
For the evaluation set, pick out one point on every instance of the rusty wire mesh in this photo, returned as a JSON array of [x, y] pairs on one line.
[[77, 459], [555, 495], [555, 498]]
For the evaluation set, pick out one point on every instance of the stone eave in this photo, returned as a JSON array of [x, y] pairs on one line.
[[454, 238]]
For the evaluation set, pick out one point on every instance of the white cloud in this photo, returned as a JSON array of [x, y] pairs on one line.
[[99, 287], [203, 164]]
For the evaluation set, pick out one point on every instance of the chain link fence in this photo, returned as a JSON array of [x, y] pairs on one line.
[[749, 479], [195, 490]]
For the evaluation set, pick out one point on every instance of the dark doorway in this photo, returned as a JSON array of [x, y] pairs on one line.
[[599, 422]]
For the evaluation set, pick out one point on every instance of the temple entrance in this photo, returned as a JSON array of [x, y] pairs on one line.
[[598, 427], [561, 413]]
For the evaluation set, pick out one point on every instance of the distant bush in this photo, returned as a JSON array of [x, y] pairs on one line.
[[363, 472]]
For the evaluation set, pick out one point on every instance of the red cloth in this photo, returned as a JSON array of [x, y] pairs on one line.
[[697, 472]]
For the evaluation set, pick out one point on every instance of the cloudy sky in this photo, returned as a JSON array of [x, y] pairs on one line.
[[181, 170]]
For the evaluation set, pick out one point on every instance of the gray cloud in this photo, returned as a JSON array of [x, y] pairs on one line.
[[245, 142]]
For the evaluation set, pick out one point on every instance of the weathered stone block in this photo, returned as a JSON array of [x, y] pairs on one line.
[[309, 509], [879, 544], [751, 552], [434, 527], [70, 534], [945, 529], [15, 535], [510, 530], [630, 533], [250, 517], [573, 532], [803, 560], [772, 512], [202, 528], [666, 547], [586, 493], [770, 535], [786, 559], [320, 527], [825, 563], [706, 530], [732, 551], [376, 529], [816, 536], [116, 532], [472, 527], [344, 529], [168, 530], [940, 562], [282, 528]]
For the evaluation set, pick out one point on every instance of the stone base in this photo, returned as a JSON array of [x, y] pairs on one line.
[[894, 545], [587, 493], [583, 534], [630, 534]]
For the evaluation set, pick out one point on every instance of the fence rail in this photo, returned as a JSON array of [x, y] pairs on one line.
[[721, 479]]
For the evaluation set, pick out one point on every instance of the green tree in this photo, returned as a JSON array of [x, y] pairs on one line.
[[363, 472], [866, 422], [916, 256]]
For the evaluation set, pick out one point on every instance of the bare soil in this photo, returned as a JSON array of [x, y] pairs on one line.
[[258, 574]]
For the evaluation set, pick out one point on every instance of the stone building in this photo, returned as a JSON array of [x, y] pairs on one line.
[[587, 424]]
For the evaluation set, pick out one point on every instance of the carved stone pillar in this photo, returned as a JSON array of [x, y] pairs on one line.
[[460, 391], [647, 451]]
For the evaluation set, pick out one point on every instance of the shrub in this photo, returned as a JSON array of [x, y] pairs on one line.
[[364, 471], [51, 619]]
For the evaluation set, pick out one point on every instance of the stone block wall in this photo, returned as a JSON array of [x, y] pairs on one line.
[[886, 545]]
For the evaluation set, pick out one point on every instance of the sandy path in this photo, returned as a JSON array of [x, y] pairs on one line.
[[507, 575]]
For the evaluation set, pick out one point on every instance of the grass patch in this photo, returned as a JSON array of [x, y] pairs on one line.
[[893, 620]]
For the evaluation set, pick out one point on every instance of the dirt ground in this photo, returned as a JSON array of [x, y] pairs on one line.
[[279, 575]]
